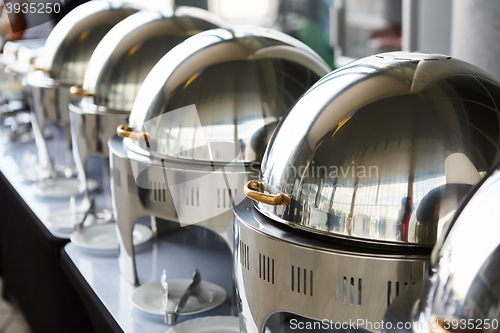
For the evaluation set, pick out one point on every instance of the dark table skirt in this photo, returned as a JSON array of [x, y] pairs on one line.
[[31, 269]]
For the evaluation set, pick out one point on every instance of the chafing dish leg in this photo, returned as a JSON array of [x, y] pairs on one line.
[[251, 324], [126, 257], [41, 144], [125, 217], [126, 210], [80, 158], [250, 321], [80, 149], [67, 134]]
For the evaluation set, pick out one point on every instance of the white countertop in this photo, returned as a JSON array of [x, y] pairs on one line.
[[11, 156], [180, 252]]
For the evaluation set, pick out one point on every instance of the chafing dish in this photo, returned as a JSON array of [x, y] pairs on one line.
[[200, 121], [62, 65], [329, 239], [391, 128], [115, 73], [12, 48], [461, 293], [16, 62]]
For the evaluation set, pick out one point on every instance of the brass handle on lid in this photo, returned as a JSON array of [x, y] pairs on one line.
[[440, 326], [125, 131], [36, 68], [79, 91], [253, 190]]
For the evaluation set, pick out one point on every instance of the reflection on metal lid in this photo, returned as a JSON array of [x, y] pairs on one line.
[[124, 57], [72, 41], [464, 282], [363, 149], [239, 97]]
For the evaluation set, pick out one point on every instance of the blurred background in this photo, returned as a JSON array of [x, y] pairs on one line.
[[343, 30]]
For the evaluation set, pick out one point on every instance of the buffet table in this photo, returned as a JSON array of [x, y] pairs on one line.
[[86, 293], [61, 287], [181, 252], [50, 294], [30, 251]]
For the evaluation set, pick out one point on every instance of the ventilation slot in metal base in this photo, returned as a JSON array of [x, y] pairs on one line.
[[398, 289], [266, 268], [225, 197], [191, 196], [157, 191], [302, 281], [244, 255], [345, 290]]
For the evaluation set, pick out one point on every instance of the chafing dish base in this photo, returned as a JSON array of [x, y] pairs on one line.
[[279, 269], [131, 201]]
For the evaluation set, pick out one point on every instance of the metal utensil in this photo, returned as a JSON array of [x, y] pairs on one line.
[[91, 203], [164, 286], [192, 290]]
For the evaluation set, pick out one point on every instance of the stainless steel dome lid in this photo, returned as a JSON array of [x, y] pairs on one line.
[[464, 279], [461, 291], [127, 53], [73, 40], [241, 82], [382, 150], [26, 57], [12, 48]]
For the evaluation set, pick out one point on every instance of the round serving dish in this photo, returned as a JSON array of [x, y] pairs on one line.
[[200, 124], [382, 151]]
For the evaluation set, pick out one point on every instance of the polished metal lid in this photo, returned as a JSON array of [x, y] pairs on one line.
[[463, 289], [382, 150], [73, 40], [127, 53], [241, 83], [11, 49], [26, 57]]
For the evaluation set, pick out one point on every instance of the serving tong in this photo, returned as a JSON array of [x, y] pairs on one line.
[[90, 202], [192, 290]]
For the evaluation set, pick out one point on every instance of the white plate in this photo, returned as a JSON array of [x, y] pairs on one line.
[[216, 324], [149, 297], [63, 219], [60, 187], [103, 237]]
